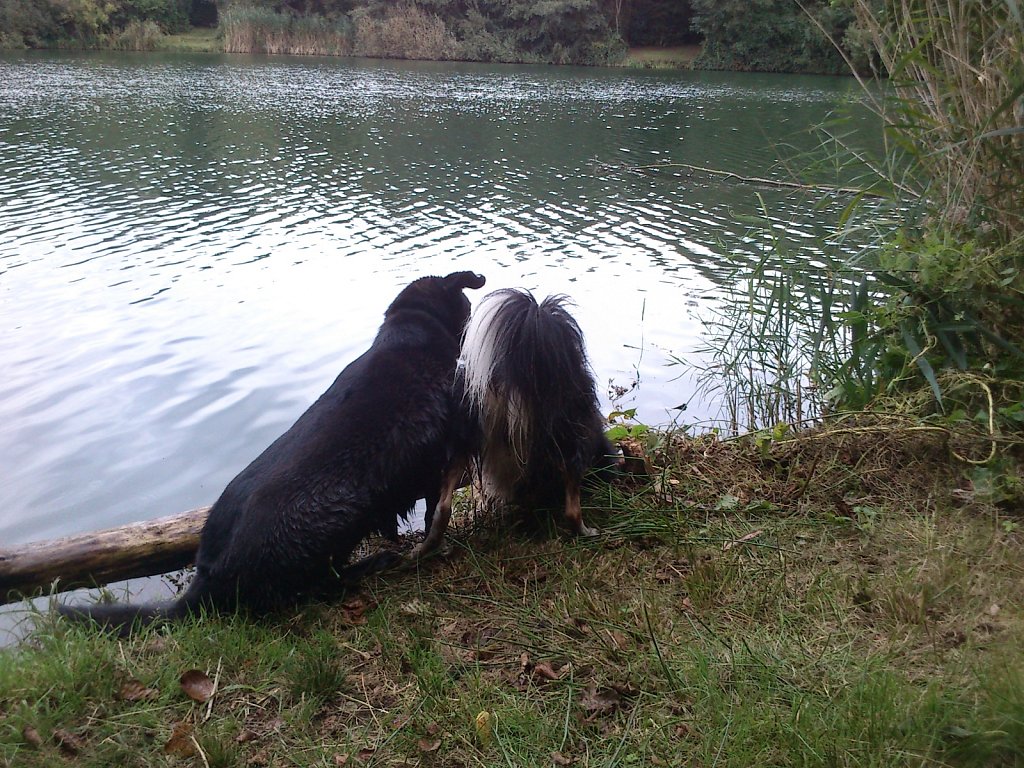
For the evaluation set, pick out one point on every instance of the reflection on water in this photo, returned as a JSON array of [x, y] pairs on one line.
[[191, 248]]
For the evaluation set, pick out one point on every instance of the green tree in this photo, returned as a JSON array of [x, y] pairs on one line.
[[771, 35]]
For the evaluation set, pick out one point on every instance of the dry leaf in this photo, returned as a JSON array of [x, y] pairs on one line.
[[181, 743], [426, 745], [197, 685], [560, 759], [245, 736], [619, 639], [354, 611], [545, 671], [603, 700], [31, 736], [340, 760], [69, 743], [365, 754], [741, 540], [134, 690], [416, 608], [483, 725]]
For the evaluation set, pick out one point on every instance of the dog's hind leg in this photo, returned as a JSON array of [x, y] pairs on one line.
[[574, 510], [432, 500], [438, 521]]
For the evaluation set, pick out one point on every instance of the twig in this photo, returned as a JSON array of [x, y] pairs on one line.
[[745, 179], [213, 693]]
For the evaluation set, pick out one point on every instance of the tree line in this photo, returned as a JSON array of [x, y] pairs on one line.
[[763, 35]]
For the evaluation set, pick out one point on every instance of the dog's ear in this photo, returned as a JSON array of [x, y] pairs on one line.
[[459, 280]]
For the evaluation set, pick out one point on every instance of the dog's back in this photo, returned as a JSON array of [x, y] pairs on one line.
[[528, 383], [376, 441]]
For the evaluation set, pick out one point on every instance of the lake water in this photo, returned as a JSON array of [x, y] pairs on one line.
[[192, 247]]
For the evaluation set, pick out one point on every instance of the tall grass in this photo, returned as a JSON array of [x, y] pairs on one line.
[[939, 285], [261, 30], [955, 104], [764, 353], [404, 31]]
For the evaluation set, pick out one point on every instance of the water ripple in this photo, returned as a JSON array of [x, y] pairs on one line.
[[191, 248]]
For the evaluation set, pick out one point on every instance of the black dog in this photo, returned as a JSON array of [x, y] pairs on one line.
[[380, 438], [531, 397]]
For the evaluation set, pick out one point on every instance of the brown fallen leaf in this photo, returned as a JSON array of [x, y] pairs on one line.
[[547, 672], [365, 754], [197, 685], [594, 699], [626, 689], [427, 745], [619, 639], [741, 540], [245, 736], [340, 760], [181, 743], [134, 690], [559, 759], [31, 737], [69, 743], [354, 610]]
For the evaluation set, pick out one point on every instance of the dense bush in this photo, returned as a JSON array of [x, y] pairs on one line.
[[169, 15], [90, 23], [402, 32], [28, 24], [137, 36], [660, 23], [771, 35]]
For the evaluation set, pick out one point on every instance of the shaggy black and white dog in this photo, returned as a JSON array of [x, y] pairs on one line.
[[381, 437], [530, 394]]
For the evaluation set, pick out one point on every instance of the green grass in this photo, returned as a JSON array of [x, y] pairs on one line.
[[677, 57], [826, 602], [196, 40]]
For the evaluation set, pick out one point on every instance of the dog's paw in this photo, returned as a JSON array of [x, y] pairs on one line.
[[424, 549], [586, 530]]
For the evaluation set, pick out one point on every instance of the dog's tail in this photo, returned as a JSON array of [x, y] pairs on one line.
[[122, 618], [525, 366]]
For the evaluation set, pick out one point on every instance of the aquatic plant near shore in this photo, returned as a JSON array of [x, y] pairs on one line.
[[261, 30]]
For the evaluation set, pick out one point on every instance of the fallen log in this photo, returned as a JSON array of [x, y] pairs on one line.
[[90, 559]]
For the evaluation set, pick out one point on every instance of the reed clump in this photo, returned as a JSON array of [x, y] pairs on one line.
[[403, 31], [262, 30], [955, 105], [138, 36]]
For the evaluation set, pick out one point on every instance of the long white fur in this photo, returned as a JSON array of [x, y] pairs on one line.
[[504, 416]]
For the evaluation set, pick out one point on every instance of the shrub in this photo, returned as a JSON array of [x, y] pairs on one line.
[[770, 35], [403, 32], [170, 15], [138, 36]]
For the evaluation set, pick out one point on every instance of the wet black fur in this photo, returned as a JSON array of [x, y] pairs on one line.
[[375, 442]]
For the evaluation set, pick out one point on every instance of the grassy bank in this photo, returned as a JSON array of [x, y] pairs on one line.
[[196, 40], [847, 598], [674, 57]]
